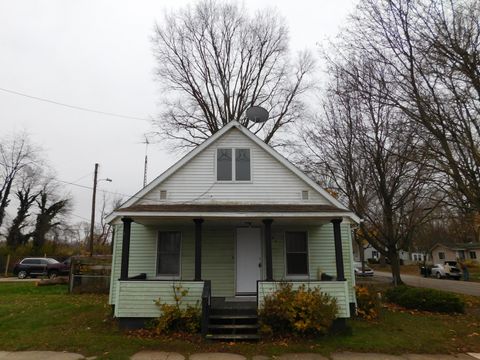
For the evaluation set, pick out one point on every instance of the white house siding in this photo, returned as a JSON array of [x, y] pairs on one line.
[[271, 181]]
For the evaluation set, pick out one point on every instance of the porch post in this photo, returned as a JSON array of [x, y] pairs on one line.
[[338, 249], [127, 224], [198, 249], [268, 248]]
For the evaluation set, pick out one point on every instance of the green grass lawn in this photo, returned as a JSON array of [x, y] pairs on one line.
[[47, 318]]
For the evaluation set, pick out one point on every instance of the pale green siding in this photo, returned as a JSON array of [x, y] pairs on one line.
[[218, 265], [321, 249], [338, 290], [137, 298], [218, 254]]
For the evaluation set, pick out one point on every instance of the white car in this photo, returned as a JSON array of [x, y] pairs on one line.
[[357, 266], [440, 272]]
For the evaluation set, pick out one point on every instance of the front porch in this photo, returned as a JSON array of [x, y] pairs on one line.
[[226, 261], [222, 318]]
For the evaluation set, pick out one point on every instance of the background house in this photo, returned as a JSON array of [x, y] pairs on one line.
[[442, 252]]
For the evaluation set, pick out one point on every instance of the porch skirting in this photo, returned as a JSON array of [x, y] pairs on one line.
[[136, 298], [336, 289]]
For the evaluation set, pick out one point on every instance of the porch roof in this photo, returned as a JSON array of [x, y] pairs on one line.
[[234, 210]]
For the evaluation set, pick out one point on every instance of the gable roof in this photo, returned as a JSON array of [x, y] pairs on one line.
[[458, 246], [235, 124]]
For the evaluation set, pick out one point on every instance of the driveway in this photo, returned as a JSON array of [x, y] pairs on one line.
[[457, 286]]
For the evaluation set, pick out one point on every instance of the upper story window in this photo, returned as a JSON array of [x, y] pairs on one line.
[[233, 164]]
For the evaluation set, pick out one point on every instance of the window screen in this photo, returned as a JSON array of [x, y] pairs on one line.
[[168, 253], [296, 250], [224, 164], [242, 164]]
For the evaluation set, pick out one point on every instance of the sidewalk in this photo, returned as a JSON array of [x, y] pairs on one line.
[[160, 355]]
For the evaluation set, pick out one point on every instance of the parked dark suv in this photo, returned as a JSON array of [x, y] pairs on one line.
[[40, 266]]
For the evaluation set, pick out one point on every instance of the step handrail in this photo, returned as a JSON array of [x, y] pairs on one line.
[[206, 304]]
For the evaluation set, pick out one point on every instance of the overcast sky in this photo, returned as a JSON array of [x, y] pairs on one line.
[[97, 54]]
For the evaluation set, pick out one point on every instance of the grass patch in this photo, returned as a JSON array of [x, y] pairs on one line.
[[48, 318]]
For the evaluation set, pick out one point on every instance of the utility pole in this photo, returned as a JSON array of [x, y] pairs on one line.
[[92, 222]]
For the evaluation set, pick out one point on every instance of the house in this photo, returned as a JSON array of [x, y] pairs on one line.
[[442, 252], [228, 222], [371, 253]]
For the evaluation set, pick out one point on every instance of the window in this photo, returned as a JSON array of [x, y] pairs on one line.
[[304, 194], [163, 194], [461, 254], [296, 253], [168, 253], [473, 255], [374, 254], [224, 164], [441, 255], [242, 164], [227, 169]]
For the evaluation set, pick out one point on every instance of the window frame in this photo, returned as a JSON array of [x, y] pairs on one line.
[[296, 276], [164, 276], [474, 257], [234, 172], [441, 255]]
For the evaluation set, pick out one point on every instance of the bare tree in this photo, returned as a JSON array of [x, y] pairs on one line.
[[214, 61], [431, 50], [50, 207], [369, 150], [16, 153]]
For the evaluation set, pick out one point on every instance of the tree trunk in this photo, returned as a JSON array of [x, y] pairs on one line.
[[395, 266]]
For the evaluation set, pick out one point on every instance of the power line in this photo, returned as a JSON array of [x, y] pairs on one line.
[[73, 106]]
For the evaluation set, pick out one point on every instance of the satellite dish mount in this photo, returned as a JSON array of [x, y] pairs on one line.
[[257, 114]]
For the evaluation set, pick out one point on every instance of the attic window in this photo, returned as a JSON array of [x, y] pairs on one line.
[[163, 194], [304, 194], [233, 164]]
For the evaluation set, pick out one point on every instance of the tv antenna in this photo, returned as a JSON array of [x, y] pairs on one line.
[[146, 142], [257, 114]]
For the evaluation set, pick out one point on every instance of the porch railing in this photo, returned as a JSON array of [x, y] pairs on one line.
[[136, 298], [206, 303]]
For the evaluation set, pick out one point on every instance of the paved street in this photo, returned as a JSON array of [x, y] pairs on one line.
[[457, 286]]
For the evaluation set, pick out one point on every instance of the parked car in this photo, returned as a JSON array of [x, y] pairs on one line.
[[36, 266], [357, 266], [32, 267], [451, 271], [55, 269]]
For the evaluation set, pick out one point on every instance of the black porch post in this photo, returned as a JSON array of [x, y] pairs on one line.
[[127, 224], [338, 249], [268, 248], [198, 249]]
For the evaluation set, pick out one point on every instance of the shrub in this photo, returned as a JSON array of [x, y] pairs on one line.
[[425, 299], [368, 303], [300, 312], [176, 317]]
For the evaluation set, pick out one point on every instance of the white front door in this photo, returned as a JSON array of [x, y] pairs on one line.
[[249, 259]]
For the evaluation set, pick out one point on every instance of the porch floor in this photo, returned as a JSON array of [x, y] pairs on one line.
[[234, 302]]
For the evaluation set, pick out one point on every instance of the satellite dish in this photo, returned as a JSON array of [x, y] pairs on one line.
[[257, 114]]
